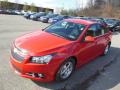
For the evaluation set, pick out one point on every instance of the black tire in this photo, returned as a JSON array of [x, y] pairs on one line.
[[69, 61]]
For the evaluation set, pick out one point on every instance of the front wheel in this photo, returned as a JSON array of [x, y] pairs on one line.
[[65, 70]]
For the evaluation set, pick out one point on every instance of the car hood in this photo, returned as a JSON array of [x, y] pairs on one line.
[[40, 41], [55, 19]]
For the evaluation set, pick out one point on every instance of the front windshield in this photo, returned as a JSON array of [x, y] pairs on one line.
[[65, 29], [59, 17], [50, 15], [41, 13]]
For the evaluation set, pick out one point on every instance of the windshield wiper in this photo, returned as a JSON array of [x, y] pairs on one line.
[[67, 38]]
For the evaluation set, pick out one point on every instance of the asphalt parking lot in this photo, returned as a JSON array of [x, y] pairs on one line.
[[101, 74]]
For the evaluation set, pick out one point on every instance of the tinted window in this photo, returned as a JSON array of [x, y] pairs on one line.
[[103, 29], [91, 30], [96, 30], [106, 30]]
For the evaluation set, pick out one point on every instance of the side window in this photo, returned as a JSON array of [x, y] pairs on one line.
[[96, 30], [91, 30], [99, 30], [65, 16], [118, 24], [104, 30]]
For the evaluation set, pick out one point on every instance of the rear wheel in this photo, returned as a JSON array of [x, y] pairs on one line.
[[106, 50], [65, 70]]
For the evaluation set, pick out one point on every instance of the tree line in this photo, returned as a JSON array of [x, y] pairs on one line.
[[99, 8]]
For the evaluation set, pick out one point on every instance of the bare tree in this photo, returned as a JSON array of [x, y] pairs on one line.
[[90, 3], [33, 8], [99, 3]]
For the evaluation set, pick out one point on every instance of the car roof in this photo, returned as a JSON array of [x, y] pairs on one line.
[[81, 21]]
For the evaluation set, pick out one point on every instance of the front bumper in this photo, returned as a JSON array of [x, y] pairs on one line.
[[44, 20], [52, 21], [25, 70]]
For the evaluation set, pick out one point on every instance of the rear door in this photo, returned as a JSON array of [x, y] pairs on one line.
[[100, 39], [103, 37]]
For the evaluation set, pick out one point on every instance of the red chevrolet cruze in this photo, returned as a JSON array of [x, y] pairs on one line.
[[55, 52]]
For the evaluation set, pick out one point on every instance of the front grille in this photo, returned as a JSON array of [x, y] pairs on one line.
[[17, 56]]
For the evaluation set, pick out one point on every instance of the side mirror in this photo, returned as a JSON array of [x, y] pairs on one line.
[[89, 39]]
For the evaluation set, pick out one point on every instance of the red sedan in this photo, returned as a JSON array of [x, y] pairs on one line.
[[55, 52]]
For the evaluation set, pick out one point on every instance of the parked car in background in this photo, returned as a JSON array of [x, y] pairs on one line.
[[55, 52], [23, 12], [37, 15], [100, 21], [113, 24], [2, 12], [58, 18], [7, 12], [18, 12], [11, 12], [27, 15], [84, 18], [95, 19], [47, 17]]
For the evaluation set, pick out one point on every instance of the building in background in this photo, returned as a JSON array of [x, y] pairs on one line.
[[17, 6]]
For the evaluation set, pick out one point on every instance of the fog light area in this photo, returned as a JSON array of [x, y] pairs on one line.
[[37, 75]]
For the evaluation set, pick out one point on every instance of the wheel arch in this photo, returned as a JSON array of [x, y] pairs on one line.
[[109, 43], [75, 59]]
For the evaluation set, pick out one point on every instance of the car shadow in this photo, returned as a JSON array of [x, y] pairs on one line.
[[81, 76]]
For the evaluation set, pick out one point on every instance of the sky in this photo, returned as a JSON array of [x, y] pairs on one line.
[[66, 4]]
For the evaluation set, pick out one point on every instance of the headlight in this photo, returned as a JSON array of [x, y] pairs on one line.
[[54, 20], [111, 26], [42, 59]]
